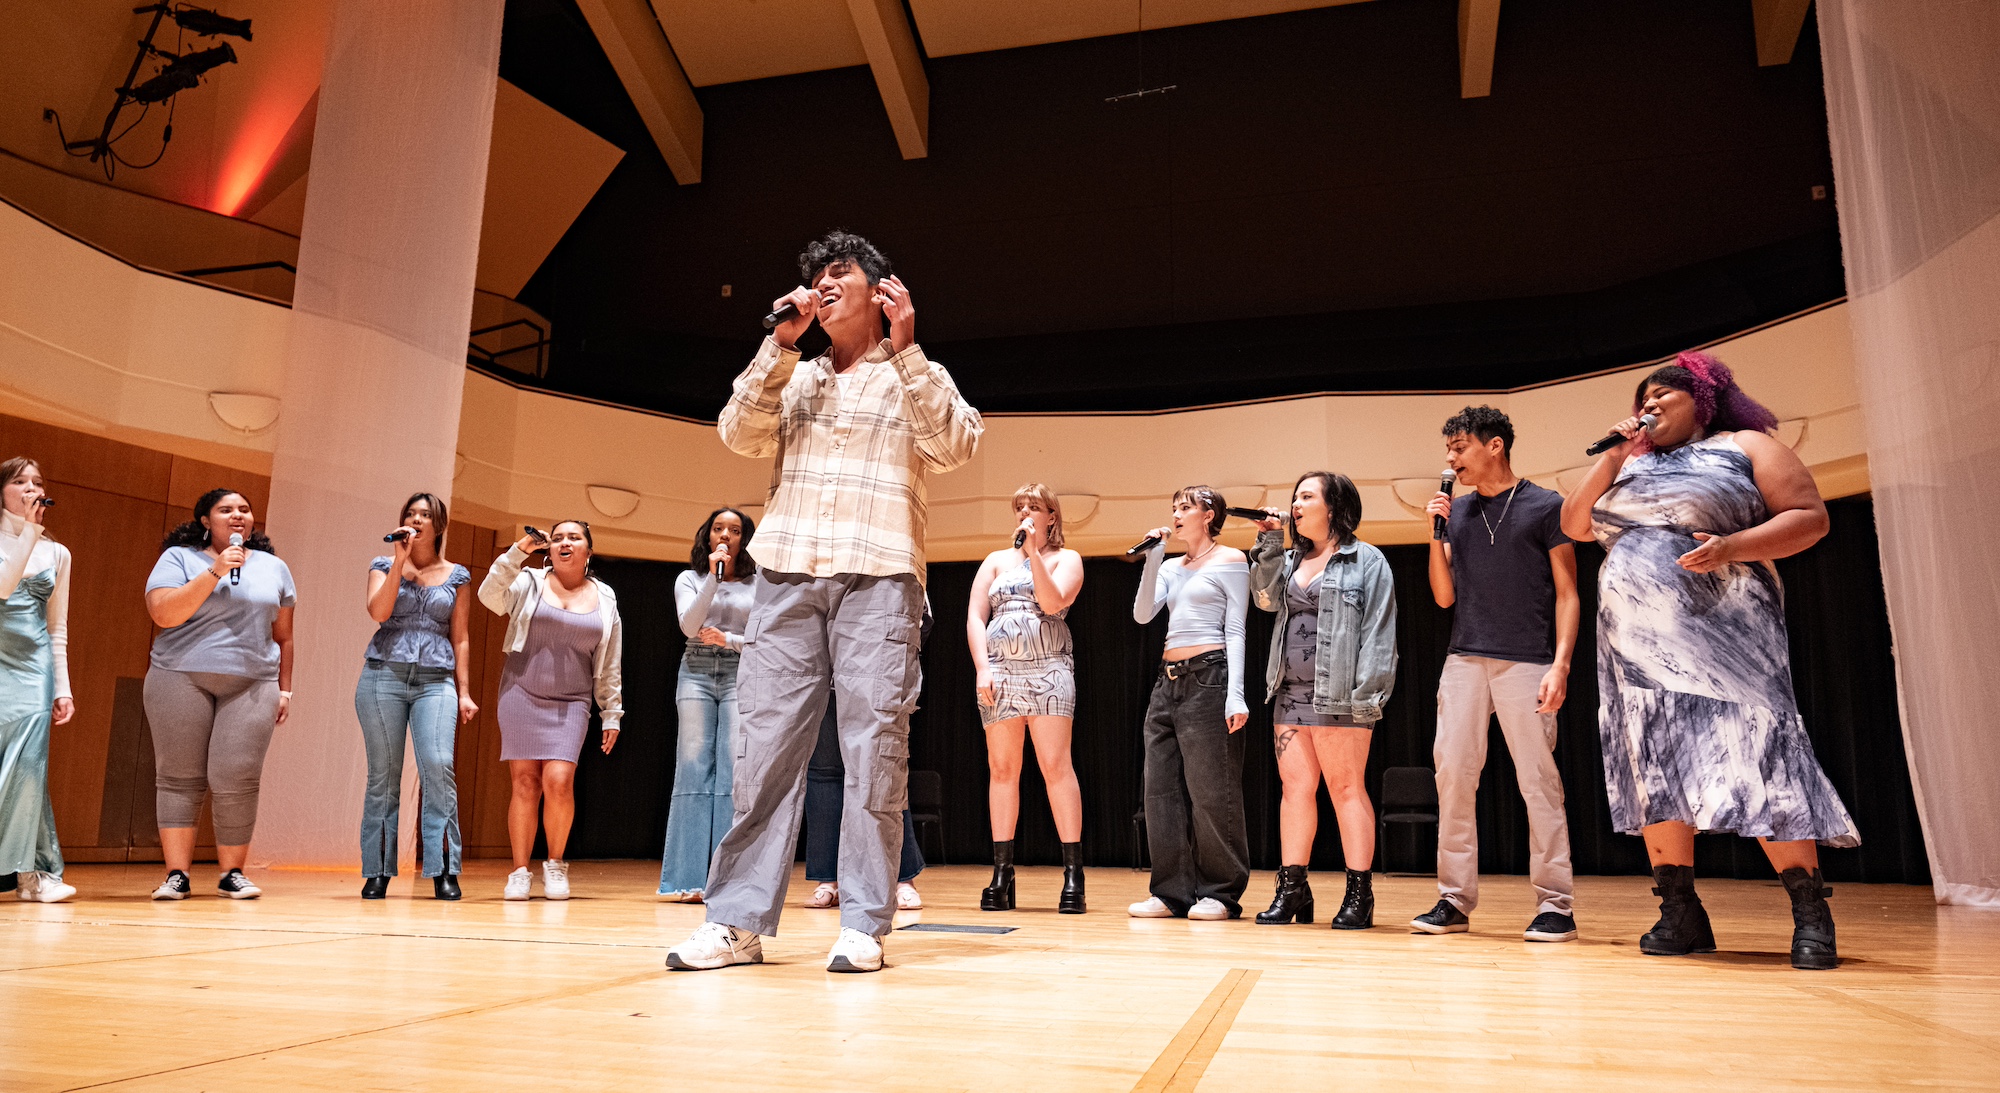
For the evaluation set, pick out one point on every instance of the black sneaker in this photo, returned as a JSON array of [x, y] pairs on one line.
[[1549, 926], [237, 886], [176, 886], [1442, 919]]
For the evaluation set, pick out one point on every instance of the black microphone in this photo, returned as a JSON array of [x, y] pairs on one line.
[[718, 569], [785, 313], [1646, 421], [1144, 545], [1020, 535], [236, 571], [1246, 513], [46, 502], [1445, 481], [399, 533]]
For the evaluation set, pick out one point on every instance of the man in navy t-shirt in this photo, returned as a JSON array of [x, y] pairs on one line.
[[1510, 574]]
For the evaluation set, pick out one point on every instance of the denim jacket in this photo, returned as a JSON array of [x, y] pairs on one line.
[[1355, 668]]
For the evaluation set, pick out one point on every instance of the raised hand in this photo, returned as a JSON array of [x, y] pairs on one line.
[[894, 297]]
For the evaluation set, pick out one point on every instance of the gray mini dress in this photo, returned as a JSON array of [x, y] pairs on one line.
[[1028, 651], [1294, 702], [545, 689]]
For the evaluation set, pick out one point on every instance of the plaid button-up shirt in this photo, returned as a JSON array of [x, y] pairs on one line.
[[847, 482]]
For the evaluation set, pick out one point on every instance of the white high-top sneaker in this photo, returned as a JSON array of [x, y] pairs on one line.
[[518, 883], [855, 952], [44, 888], [713, 945], [555, 879]]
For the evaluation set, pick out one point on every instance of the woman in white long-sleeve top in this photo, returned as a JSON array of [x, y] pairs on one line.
[[34, 682], [564, 644], [1195, 828], [713, 598]]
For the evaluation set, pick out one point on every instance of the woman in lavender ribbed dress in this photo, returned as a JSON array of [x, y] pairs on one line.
[[545, 688]]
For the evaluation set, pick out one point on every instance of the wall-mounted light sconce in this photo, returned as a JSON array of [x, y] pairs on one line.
[[1077, 508], [1248, 497], [243, 412], [612, 501]]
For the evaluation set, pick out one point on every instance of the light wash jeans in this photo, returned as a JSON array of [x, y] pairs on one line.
[[388, 698], [704, 802]]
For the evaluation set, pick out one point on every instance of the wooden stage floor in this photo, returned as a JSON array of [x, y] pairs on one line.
[[310, 988]]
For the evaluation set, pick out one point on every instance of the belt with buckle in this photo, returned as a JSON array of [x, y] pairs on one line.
[[1175, 669]]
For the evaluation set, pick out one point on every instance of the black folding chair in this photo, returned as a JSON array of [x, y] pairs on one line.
[[1409, 796], [927, 807]]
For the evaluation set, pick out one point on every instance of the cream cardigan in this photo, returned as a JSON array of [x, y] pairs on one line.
[[512, 590]]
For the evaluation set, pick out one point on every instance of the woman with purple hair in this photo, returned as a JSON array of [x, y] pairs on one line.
[[1700, 728]]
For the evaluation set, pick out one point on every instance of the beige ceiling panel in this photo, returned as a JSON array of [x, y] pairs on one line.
[[542, 170], [724, 41], [973, 26]]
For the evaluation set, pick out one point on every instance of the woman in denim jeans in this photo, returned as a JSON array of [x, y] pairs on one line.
[[1332, 666], [713, 598], [417, 675]]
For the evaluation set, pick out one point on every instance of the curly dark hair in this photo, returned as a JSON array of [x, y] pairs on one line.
[[843, 246], [1343, 507], [195, 534], [1483, 423], [746, 566]]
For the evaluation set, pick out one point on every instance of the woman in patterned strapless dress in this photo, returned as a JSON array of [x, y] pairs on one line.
[[1027, 685], [1700, 728]]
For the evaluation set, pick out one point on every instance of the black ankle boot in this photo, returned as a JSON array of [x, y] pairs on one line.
[[444, 886], [1812, 921], [1683, 927], [1357, 907], [1293, 901], [1072, 890], [999, 895], [374, 887]]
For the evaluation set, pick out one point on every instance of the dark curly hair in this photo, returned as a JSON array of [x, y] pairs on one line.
[[1343, 507], [195, 534], [746, 566], [843, 246], [1482, 423]]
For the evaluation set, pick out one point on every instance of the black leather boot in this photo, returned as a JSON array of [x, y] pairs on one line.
[[1293, 901], [1812, 921], [374, 887], [1683, 927], [1072, 890], [1357, 907], [999, 895], [444, 886]]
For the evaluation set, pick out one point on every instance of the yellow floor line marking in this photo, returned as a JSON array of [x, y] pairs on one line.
[[1186, 1057]]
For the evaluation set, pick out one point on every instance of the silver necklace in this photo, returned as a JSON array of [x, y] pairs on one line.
[[1493, 530], [1211, 549]]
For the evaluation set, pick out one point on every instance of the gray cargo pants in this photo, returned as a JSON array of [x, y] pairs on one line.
[[857, 635]]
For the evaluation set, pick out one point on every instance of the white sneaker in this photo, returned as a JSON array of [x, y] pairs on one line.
[[713, 945], [517, 884], [43, 888], [1150, 907], [826, 895], [176, 886], [555, 880], [1208, 910], [854, 952], [907, 898]]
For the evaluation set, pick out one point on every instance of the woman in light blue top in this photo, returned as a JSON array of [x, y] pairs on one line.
[[713, 597], [34, 682], [1195, 829], [219, 685], [417, 675]]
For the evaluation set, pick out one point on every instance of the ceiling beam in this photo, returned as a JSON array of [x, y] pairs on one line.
[[631, 36], [1778, 23], [899, 71], [1478, 34]]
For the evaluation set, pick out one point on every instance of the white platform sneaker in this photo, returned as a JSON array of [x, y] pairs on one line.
[[43, 888], [713, 945], [518, 883], [907, 898], [1208, 910], [855, 952], [555, 880], [1150, 907]]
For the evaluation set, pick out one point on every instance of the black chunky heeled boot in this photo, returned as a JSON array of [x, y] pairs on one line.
[[1357, 907], [445, 886], [1293, 901], [1071, 902], [374, 887], [1812, 921], [999, 895], [1683, 927]]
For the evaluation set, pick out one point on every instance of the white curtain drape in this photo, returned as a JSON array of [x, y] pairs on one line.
[[1913, 103], [375, 368]]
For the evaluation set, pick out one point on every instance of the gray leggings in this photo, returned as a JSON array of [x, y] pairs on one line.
[[210, 733]]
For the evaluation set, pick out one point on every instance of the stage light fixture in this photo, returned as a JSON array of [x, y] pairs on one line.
[[209, 24], [182, 73]]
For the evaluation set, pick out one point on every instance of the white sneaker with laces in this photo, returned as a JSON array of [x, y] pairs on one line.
[[854, 952], [237, 886], [1208, 910], [907, 898], [1150, 907], [518, 883], [44, 888], [713, 945], [555, 880], [826, 895]]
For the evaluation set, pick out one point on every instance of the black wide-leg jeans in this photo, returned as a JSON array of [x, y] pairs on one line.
[[1195, 828]]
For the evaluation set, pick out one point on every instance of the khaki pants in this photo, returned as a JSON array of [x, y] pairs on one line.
[[1470, 692]]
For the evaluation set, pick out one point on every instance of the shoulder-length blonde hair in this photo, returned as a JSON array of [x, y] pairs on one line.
[[1039, 492]]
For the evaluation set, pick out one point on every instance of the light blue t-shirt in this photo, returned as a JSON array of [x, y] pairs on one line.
[[230, 633]]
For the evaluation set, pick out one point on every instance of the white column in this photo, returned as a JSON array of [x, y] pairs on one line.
[[1913, 107], [375, 367]]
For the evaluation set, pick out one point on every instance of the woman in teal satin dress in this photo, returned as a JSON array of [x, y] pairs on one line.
[[34, 682]]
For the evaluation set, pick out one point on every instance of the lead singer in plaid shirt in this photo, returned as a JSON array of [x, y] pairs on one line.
[[840, 557]]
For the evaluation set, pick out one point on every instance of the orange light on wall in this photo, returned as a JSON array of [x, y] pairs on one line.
[[250, 155]]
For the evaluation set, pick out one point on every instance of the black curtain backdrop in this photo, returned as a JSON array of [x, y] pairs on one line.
[[1841, 664]]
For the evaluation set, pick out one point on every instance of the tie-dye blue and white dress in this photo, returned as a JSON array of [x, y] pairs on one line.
[[1699, 722]]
